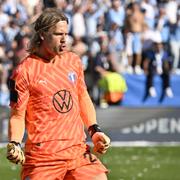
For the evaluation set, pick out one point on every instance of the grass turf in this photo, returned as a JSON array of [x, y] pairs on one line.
[[125, 163]]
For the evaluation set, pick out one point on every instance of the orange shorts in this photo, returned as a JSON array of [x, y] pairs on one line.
[[84, 167]]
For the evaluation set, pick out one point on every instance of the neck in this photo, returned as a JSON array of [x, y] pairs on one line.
[[45, 55]]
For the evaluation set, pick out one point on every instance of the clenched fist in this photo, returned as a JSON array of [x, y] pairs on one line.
[[14, 153], [101, 142]]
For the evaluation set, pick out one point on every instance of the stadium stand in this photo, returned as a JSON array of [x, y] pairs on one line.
[[110, 23], [136, 95]]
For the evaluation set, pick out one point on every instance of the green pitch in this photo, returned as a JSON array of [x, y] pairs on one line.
[[126, 163]]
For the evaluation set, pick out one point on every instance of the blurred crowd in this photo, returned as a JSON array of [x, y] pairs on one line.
[[123, 36]]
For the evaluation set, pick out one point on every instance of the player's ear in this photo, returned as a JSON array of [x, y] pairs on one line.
[[41, 35]]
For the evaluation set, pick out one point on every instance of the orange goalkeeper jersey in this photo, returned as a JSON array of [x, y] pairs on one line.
[[49, 92]]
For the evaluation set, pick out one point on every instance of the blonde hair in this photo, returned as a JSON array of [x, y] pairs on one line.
[[46, 21]]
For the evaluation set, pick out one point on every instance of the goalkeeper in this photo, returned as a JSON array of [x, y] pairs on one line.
[[49, 99]]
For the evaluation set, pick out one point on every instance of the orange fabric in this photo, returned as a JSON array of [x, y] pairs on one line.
[[113, 97], [87, 110], [84, 166], [53, 93], [16, 125], [50, 91]]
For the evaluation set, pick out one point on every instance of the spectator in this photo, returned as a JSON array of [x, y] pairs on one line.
[[116, 13], [93, 15], [162, 25], [9, 7], [80, 48], [49, 3], [4, 69], [78, 21], [171, 15], [128, 24], [4, 17], [150, 13], [116, 45], [10, 31], [158, 61], [110, 83], [175, 44], [133, 28]]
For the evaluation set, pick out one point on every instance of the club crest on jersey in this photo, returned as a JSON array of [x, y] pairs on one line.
[[72, 76]]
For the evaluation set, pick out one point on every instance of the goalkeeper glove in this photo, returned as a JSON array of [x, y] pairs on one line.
[[15, 153], [100, 140]]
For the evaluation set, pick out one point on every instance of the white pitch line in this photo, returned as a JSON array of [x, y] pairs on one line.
[[141, 143], [129, 144]]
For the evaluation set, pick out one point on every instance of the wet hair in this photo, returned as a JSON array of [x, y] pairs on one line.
[[44, 23]]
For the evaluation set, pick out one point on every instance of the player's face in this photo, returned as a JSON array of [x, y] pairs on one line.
[[54, 42]]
